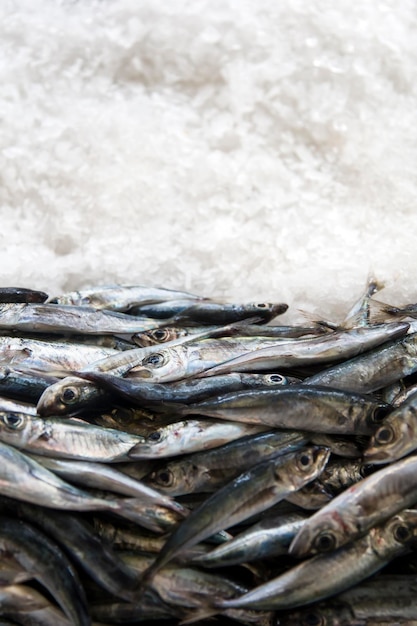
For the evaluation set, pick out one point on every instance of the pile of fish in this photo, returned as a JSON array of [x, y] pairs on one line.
[[169, 458]]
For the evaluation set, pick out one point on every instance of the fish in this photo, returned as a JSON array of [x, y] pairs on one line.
[[251, 492], [156, 395], [208, 470], [396, 436], [373, 370], [121, 297], [44, 561], [301, 407], [325, 575], [357, 509], [68, 439], [267, 538], [335, 346], [189, 436]]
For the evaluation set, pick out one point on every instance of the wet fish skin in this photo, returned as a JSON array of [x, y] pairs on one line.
[[139, 392], [28, 607], [71, 439], [269, 537], [373, 370], [357, 509], [335, 346], [24, 385], [325, 575], [162, 335], [225, 313], [254, 491], [318, 409], [210, 469], [76, 536], [189, 436], [121, 297], [46, 563]]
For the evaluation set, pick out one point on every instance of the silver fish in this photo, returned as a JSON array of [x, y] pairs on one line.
[[333, 347], [397, 435], [301, 407], [121, 297], [69, 439], [189, 436], [357, 509], [252, 492], [327, 574]]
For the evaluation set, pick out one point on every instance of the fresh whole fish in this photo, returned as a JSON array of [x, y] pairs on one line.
[[357, 509], [70, 439], [121, 297], [252, 492], [328, 574], [301, 407], [332, 347]]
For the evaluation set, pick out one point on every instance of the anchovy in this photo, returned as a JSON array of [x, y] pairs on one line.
[[24, 385], [357, 509], [27, 606]]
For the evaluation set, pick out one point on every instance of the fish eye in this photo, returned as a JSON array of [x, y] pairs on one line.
[[378, 415], [325, 542], [261, 305], [155, 436], [275, 378], [384, 435], [69, 395], [160, 335], [155, 360], [304, 460], [12, 420], [401, 533], [165, 477]]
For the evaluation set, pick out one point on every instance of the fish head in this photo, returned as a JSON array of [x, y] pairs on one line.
[[65, 396], [311, 461], [173, 478], [15, 427], [391, 441], [165, 365], [322, 532], [399, 530]]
